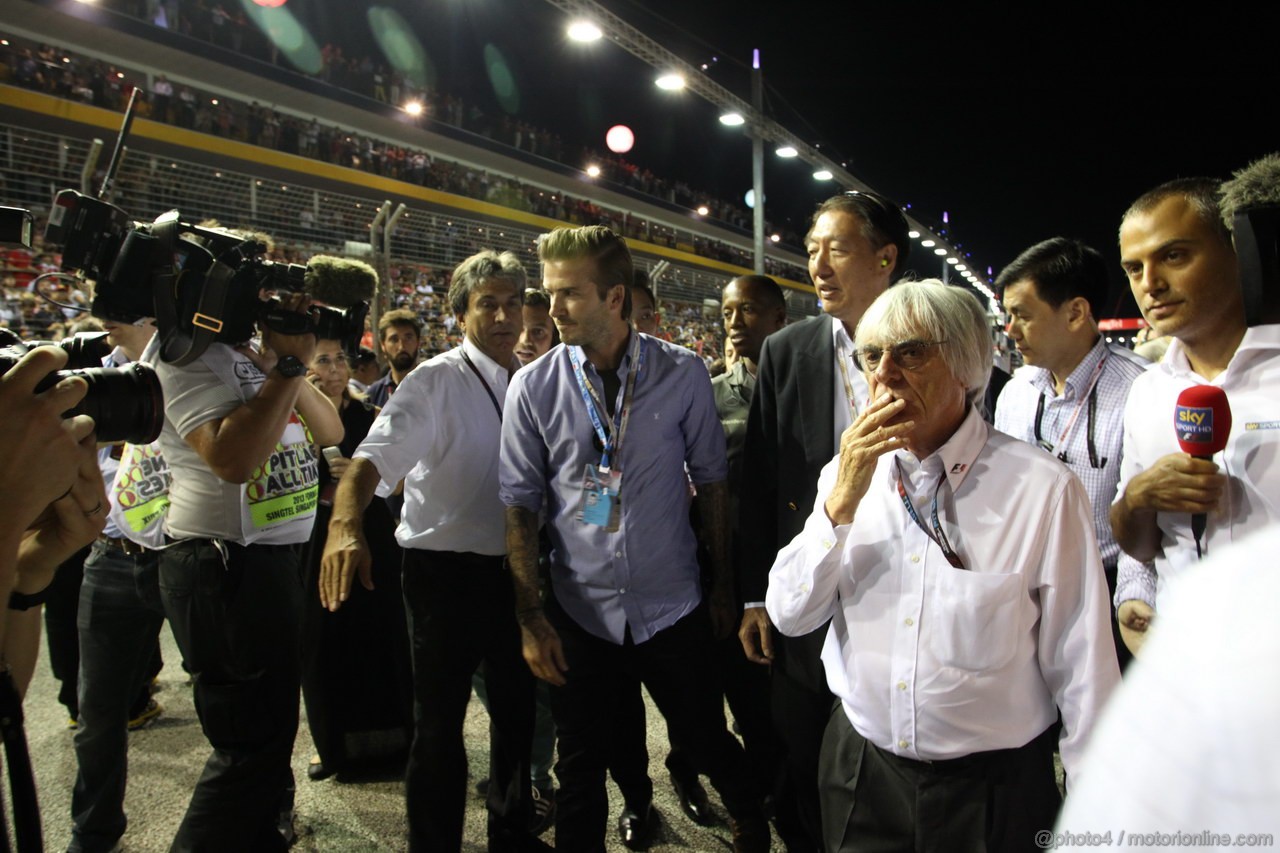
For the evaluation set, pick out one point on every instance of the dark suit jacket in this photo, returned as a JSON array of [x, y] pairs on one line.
[[789, 439]]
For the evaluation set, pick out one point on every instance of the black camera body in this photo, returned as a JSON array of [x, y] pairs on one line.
[[202, 284], [126, 404]]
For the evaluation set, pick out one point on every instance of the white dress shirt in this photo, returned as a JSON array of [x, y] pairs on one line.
[[844, 408], [1251, 460], [440, 432], [932, 662]]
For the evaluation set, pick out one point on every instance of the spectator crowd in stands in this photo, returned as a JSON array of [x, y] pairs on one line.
[[101, 84], [417, 287]]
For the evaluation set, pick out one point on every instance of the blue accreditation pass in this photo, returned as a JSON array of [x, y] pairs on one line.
[[601, 504]]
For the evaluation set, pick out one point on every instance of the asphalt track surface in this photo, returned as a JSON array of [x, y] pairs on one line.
[[166, 758]]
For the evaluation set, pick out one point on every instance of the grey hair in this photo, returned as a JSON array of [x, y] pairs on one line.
[[478, 269], [936, 312]]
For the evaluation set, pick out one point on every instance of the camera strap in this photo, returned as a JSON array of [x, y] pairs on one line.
[[178, 347], [26, 807]]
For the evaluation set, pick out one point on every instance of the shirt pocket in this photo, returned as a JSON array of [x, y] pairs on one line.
[[976, 623]]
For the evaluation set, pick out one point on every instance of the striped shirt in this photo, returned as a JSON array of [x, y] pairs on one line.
[[1089, 411]]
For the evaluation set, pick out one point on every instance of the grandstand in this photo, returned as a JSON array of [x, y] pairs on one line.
[[317, 187]]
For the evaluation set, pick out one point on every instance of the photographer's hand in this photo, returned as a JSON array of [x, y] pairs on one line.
[[276, 345], [42, 452], [301, 346], [65, 526]]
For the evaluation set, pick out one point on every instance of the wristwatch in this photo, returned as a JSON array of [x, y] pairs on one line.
[[290, 366]]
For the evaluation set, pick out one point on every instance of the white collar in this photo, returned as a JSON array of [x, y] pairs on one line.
[[1260, 338], [957, 453], [490, 369]]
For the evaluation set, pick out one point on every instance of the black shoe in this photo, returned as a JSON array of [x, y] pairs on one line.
[[635, 827], [693, 799], [284, 826], [751, 834], [482, 788], [318, 770], [146, 716], [544, 808]]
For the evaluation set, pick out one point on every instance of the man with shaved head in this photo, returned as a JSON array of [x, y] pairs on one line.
[[1180, 262]]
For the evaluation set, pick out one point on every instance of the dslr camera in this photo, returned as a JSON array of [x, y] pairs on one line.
[[125, 403]]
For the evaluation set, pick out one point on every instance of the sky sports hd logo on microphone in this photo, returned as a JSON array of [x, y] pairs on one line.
[[1194, 424]]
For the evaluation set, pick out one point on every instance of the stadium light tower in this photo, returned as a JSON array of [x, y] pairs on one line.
[[733, 111]]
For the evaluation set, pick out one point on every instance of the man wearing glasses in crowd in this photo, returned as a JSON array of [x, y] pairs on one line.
[[965, 593]]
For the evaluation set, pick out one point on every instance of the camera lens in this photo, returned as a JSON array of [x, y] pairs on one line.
[[126, 404], [82, 351], [85, 350]]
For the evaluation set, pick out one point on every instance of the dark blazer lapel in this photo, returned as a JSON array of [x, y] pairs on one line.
[[816, 392]]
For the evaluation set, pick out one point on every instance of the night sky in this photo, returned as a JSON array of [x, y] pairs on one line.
[[1022, 122]]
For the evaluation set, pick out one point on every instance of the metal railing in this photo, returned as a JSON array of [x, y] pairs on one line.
[[303, 220]]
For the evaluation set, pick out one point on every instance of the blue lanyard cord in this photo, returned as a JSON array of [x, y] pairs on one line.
[[612, 440], [939, 538]]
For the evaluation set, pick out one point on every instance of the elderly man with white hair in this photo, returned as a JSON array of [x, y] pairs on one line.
[[968, 603]]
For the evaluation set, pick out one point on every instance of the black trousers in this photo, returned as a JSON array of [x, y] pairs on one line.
[[675, 666], [991, 802], [461, 613], [62, 603], [237, 622], [745, 686], [801, 707]]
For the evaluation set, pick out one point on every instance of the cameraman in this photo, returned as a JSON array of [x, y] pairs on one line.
[[239, 436]]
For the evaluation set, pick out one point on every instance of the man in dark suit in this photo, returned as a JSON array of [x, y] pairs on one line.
[[807, 392]]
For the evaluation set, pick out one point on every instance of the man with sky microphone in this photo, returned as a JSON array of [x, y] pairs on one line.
[[1178, 256]]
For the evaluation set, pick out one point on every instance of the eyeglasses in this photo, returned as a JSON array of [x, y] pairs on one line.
[[908, 355], [325, 362]]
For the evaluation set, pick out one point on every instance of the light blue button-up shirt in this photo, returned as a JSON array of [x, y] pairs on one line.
[[644, 576]]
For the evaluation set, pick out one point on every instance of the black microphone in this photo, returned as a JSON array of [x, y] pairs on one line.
[[1202, 421]]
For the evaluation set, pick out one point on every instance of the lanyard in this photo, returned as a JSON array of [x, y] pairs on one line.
[[1091, 397], [939, 538], [497, 407], [841, 358], [612, 441]]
